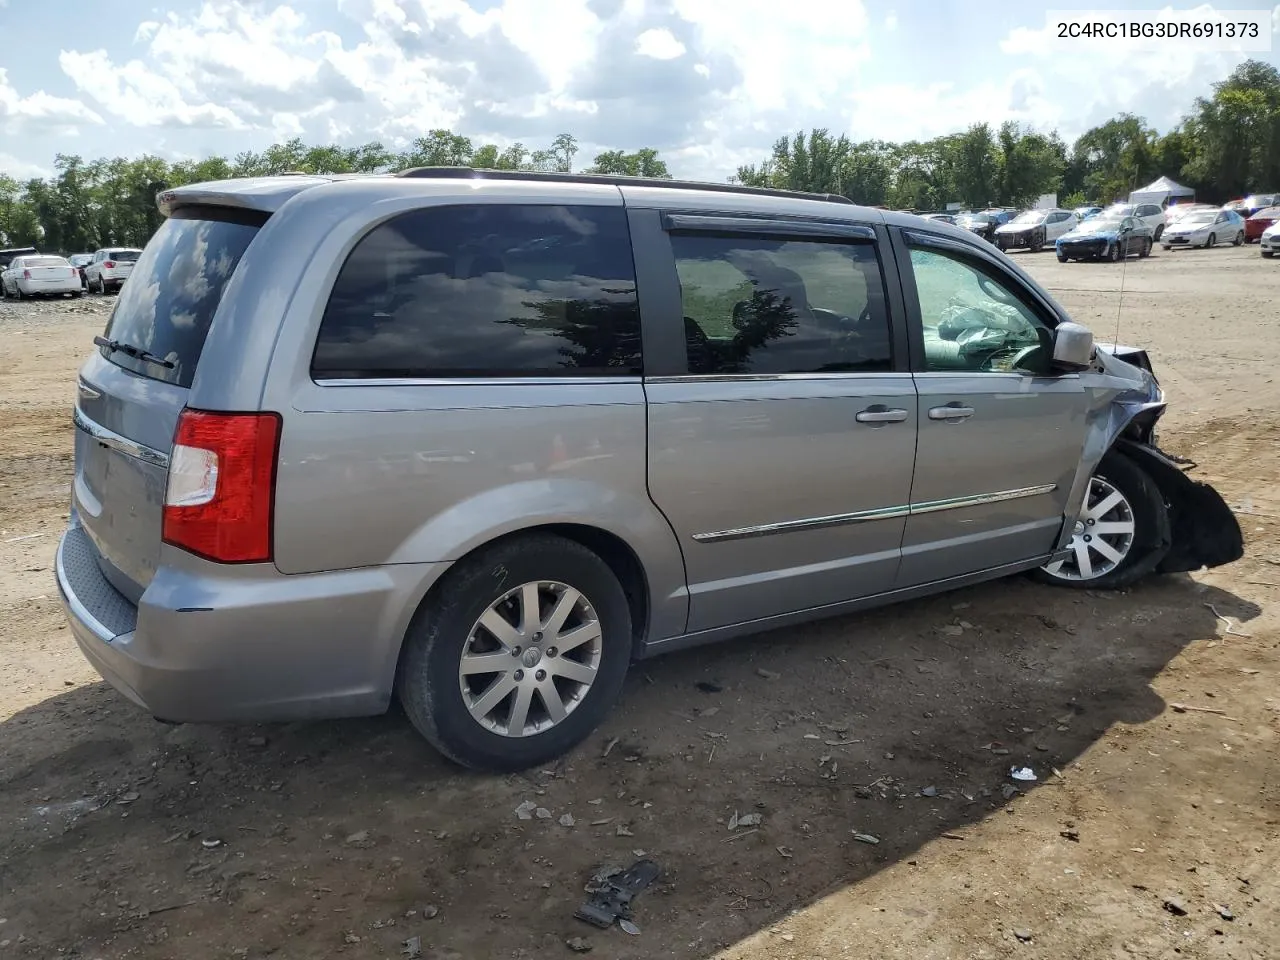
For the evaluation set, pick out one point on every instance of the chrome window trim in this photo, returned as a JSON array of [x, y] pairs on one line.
[[469, 381], [115, 441], [881, 513], [770, 377]]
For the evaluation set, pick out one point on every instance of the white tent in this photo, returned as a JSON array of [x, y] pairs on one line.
[[1162, 191]]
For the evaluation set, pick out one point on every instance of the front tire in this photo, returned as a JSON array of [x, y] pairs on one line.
[[1114, 254], [1146, 249], [1211, 241], [518, 656], [1121, 534], [1037, 242]]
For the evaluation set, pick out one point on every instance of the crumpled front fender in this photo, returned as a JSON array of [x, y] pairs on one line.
[[1125, 401]]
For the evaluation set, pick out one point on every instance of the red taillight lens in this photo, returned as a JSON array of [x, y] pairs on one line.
[[220, 499], [26, 274], [109, 264]]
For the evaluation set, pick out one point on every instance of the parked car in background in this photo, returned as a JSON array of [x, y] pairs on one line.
[[287, 343], [1258, 223], [80, 261], [1180, 210], [940, 217], [1034, 228], [1087, 211], [1152, 214], [982, 224], [1269, 243], [6, 256], [42, 275], [109, 269], [1106, 237], [1205, 228], [1251, 204]]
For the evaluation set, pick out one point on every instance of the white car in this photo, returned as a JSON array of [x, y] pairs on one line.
[[1204, 228], [1035, 228], [41, 275], [110, 268], [1180, 210], [1152, 214], [1269, 245]]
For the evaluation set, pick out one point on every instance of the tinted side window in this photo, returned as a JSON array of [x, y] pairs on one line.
[[486, 290], [972, 321], [756, 305]]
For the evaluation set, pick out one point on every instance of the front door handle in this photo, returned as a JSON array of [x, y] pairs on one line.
[[881, 414], [950, 412]]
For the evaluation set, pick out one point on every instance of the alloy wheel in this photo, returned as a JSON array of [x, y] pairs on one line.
[[1102, 537], [530, 659]]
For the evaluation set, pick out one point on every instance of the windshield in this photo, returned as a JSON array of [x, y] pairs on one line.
[[173, 292], [1031, 216], [1200, 216], [1099, 224]]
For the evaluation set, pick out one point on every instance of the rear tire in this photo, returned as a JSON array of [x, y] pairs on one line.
[[461, 715], [1238, 240], [1146, 249], [1159, 231], [1120, 494]]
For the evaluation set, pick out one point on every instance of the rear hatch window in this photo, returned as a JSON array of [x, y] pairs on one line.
[[175, 287], [123, 256]]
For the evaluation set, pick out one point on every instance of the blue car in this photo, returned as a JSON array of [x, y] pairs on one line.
[[1087, 212], [1109, 237]]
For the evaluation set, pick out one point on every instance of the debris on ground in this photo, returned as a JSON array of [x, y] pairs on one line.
[[929, 791], [430, 912], [412, 948], [1023, 934], [865, 837], [767, 674], [608, 747], [360, 836], [257, 741], [1224, 911], [785, 852], [627, 927], [542, 813], [746, 820], [1025, 774], [1009, 791], [579, 944], [611, 898], [706, 686], [1072, 835], [567, 820], [525, 810], [210, 843], [1175, 906]]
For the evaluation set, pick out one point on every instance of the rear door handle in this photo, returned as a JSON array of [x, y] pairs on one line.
[[881, 414], [950, 413]]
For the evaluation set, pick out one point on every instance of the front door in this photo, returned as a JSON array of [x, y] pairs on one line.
[[781, 452], [1000, 438]]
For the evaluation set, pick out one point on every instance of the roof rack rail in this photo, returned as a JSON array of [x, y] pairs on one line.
[[473, 173]]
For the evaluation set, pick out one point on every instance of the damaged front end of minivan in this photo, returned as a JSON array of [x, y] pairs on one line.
[[1126, 402]]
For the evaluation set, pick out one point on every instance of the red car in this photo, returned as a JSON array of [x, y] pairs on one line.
[[1256, 224]]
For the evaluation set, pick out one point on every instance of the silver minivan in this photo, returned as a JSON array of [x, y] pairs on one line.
[[480, 440]]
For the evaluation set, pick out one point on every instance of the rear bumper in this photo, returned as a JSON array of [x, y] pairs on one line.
[[244, 643], [40, 288]]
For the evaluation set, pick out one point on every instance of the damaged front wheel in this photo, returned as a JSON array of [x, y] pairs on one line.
[[1121, 534]]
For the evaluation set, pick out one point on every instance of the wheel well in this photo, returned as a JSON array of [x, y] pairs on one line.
[[613, 550]]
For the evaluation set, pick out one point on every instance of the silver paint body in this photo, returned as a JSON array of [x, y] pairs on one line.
[[750, 502]]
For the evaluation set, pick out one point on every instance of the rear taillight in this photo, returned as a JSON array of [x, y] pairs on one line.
[[26, 274], [221, 492], [109, 264]]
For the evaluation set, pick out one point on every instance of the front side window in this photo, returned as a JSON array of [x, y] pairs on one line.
[[755, 305], [972, 321], [486, 290]]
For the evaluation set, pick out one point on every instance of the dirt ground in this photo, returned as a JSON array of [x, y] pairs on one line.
[[122, 837]]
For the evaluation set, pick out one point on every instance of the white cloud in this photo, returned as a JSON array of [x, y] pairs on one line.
[[21, 169], [891, 20], [40, 112], [659, 44], [139, 95]]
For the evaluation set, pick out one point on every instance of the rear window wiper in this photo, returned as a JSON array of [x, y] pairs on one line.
[[136, 352]]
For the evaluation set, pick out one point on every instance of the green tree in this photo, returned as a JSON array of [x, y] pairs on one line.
[[642, 163]]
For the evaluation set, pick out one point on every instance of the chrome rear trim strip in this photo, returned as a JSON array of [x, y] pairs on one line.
[[109, 438]]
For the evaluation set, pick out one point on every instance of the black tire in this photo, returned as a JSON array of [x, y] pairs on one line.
[[1115, 255], [1146, 249], [1063, 258], [427, 678], [1151, 528], [1265, 253], [1238, 240], [1037, 242], [1159, 231], [1209, 243]]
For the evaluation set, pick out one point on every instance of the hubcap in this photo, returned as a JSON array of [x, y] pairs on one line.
[[530, 658], [1101, 538]]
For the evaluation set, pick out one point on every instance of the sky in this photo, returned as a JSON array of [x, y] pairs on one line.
[[711, 84]]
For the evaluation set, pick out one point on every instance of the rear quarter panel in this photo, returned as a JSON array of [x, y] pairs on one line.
[[420, 472]]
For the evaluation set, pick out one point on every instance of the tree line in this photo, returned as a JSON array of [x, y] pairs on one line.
[[1227, 145]]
